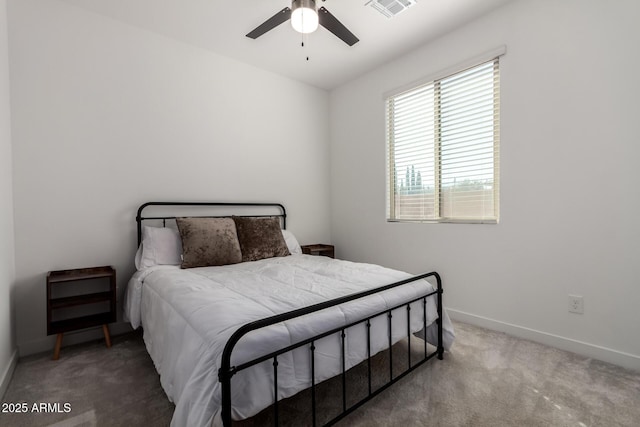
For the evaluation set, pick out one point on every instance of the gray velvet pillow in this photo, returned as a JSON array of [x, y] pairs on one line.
[[208, 242], [260, 238]]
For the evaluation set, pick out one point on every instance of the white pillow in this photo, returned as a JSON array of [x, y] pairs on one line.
[[292, 242], [160, 246]]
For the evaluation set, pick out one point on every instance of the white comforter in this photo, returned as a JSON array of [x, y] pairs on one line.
[[188, 315]]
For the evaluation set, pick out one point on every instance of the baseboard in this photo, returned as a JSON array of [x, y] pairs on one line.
[[626, 360], [8, 374], [70, 338]]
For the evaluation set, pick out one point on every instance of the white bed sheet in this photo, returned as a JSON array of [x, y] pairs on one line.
[[188, 315]]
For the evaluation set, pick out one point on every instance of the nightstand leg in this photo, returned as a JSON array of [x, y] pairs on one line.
[[56, 350], [107, 338]]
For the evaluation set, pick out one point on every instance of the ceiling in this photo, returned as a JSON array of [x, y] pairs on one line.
[[220, 26]]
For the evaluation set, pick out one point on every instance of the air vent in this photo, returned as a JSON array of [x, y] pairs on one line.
[[391, 8]]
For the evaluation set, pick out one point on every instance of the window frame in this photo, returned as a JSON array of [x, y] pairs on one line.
[[391, 184]]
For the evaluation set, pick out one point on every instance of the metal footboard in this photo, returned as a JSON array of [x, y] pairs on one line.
[[226, 371]]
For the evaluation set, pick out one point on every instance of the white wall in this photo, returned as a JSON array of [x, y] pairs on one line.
[[107, 116], [569, 198], [8, 356]]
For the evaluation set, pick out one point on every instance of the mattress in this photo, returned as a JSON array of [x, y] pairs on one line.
[[188, 315]]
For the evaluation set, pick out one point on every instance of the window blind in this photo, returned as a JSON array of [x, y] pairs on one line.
[[443, 148]]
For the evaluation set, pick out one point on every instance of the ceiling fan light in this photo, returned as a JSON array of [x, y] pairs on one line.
[[304, 18]]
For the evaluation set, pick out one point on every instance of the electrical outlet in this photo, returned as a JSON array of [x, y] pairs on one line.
[[576, 304]]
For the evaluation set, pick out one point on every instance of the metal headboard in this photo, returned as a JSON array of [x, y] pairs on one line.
[[140, 218]]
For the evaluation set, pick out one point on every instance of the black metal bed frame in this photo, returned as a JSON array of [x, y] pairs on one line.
[[140, 218], [227, 371]]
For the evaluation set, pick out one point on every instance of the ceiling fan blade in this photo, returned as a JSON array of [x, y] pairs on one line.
[[271, 23], [332, 24]]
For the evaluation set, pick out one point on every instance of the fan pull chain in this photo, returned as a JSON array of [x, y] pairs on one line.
[[302, 42]]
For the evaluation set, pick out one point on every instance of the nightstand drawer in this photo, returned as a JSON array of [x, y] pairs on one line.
[[319, 249]]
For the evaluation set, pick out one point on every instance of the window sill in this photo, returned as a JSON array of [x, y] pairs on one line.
[[446, 221]]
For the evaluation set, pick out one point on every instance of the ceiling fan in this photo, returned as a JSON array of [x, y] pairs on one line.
[[305, 19]]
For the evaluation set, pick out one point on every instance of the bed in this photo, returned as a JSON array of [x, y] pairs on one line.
[[232, 339]]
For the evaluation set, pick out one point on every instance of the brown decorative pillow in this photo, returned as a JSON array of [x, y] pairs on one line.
[[208, 241], [260, 238]]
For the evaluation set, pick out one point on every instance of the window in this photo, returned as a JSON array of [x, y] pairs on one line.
[[442, 148]]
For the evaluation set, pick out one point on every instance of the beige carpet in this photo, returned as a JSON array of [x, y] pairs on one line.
[[488, 379]]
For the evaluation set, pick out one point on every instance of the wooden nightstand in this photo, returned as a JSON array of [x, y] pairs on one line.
[[63, 303], [319, 249]]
